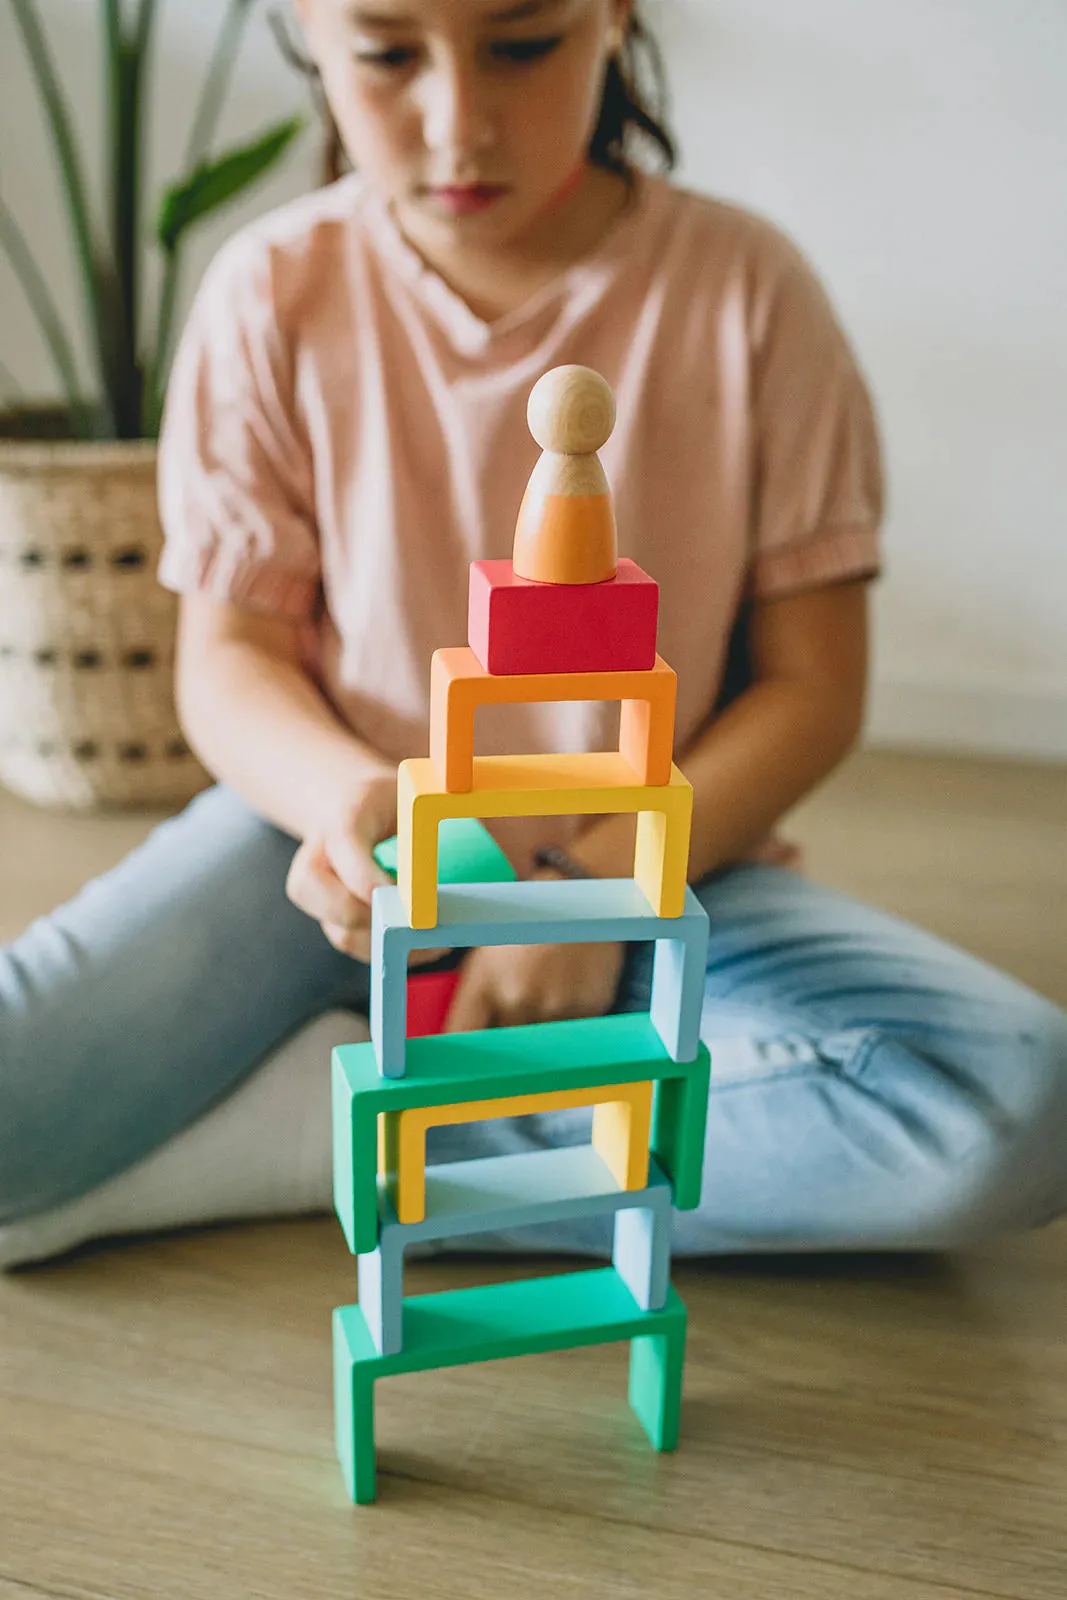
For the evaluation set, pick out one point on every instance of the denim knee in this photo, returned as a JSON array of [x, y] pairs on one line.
[[40, 1158], [1023, 1183], [30, 1126], [987, 1136]]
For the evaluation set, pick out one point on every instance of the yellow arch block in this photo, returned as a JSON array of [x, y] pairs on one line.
[[545, 786], [622, 1125]]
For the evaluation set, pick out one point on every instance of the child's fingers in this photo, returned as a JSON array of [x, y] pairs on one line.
[[313, 885], [350, 941], [471, 1006], [353, 865], [423, 958]]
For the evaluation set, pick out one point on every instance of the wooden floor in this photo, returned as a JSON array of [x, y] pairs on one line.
[[852, 1430]]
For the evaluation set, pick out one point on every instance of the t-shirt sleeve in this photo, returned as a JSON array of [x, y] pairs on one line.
[[236, 495], [818, 474]]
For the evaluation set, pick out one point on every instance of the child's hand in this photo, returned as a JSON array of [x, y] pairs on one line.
[[333, 873], [505, 985]]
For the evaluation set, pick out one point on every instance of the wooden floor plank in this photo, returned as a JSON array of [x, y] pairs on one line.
[[891, 1419], [10, 1589], [181, 1514]]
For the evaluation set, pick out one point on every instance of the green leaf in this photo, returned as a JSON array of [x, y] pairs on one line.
[[68, 154], [223, 56], [13, 245], [214, 183]]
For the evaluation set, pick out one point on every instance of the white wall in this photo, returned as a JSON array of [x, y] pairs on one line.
[[918, 153]]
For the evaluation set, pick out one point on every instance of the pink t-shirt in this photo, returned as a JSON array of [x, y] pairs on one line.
[[343, 436]]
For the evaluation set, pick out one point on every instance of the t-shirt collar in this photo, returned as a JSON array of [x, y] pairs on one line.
[[473, 334]]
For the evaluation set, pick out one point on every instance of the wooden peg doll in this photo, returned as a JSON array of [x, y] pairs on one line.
[[566, 525]]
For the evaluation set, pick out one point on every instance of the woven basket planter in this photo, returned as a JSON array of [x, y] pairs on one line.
[[87, 634]]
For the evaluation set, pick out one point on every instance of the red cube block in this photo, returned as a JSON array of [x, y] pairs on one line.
[[515, 625]]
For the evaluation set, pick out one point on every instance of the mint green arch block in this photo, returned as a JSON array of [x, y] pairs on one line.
[[493, 1322], [496, 1063]]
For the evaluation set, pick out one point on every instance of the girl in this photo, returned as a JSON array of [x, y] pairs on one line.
[[345, 431]]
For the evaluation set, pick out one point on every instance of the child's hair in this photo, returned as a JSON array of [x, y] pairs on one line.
[[635, 101]]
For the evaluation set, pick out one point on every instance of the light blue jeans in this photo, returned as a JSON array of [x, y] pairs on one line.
[[871, 1087]]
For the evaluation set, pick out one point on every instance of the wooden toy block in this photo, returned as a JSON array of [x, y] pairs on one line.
[[565, 531], [517, 626], [617, 1135], [497, 1063], [499, 1320], [542, 785], [597, 911], [622, 1126], [655, 1388], [429, 996], [467, 853], [459, 684], [641, 1254], [504, 1193]]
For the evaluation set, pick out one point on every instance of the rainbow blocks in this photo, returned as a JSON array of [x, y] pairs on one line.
[[565, 620]]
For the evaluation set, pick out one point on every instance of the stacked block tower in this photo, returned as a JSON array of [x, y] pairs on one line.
[[566, 619]]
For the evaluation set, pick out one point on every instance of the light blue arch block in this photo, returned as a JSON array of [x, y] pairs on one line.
[[641, 1253], [583, 912], [501, 1193]]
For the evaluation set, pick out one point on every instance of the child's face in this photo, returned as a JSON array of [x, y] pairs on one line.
[[471, 116]]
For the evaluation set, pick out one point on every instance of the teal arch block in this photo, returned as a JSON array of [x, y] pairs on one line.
[[447, 1069], [508, 1319], [501, 1193], [591, 911]]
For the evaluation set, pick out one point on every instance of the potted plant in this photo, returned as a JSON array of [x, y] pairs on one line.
[[86, 632]]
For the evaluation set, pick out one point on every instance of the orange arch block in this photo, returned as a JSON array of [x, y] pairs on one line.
[[459, 684], [622, 1124]]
